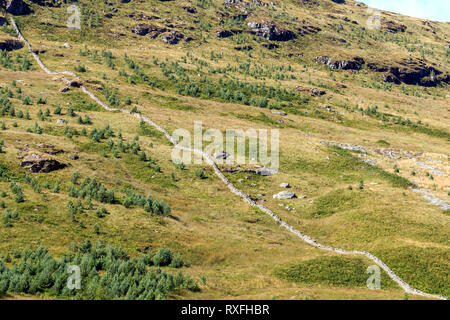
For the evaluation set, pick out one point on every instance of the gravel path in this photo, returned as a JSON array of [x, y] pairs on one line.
[[245, 197]]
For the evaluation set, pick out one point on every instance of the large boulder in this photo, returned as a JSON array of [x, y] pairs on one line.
[[270, 31], [283, 195]]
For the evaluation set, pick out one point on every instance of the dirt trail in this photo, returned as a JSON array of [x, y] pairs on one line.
[[245, 197]]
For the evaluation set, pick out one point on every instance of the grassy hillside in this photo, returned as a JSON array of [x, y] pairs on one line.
[[235, 251]]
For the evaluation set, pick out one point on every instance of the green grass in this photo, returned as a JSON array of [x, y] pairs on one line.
[[345, 166], [261, 118], [80, 102], [383, 143], [427, 269], [332, 271], [337, 200]]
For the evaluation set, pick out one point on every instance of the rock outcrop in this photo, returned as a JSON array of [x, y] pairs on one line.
[[172, 37], [10, 44], [393, 27], [167, 35], [270, 31], [40, 164], [307, 28], [226, 33], [16, 7], [354, 63], [190, 9], [410, 71], [143, 29]]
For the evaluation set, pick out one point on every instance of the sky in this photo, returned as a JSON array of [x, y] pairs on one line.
[[438, 10]]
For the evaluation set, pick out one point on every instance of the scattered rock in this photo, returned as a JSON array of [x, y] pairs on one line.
[[370, 161], [45, 146], [285, 185], [315, 92], [346, 146], [239, 17], [61, 121], [328, 108], [298, 55], [428, 195], [243, 48], [65, 89], [270, 46], [67, 45], [73, 157], [281, 113]]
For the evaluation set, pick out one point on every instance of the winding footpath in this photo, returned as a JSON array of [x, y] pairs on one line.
[[245, 197]]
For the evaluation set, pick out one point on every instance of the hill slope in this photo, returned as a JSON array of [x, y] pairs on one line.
[[347, 98]]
